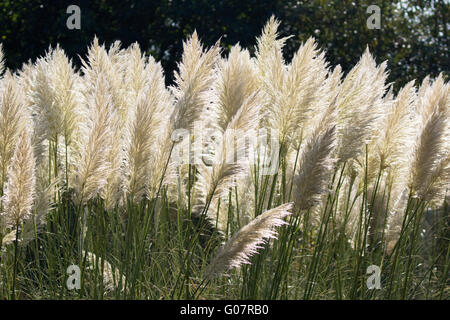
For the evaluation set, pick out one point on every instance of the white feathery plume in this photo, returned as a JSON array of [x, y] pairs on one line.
[[269, 56], [392, 150], [305, 79], [390, 156], [290, 89], [193, 81], [47, 120], [236, 81], [325, 97], [20, 186], [119, 60], [140, 149], [324, 105], [228, 162], [136, 76], [110, 66], [430, 166], [246, 242], [434, 96], [93, 168], [271, 73], [43, 203], [423, 88], [27, 80], [429, 177], [360, 106], [192, 95], [161, 147], [55, 97], [65, 93], [147, 130], [13, 118], [395, 140], [115, 66], [316, 167], [428, 162], [395, 219]]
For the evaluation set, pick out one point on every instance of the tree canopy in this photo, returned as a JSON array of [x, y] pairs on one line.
[[413, 36]]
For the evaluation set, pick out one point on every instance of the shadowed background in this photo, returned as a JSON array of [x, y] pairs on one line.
[[413, 35]]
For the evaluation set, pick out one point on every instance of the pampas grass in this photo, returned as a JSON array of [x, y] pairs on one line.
[[247, 241], [12, 121], [93, 168], [193, 80], [146, 131], [20, 186], [316, 165], [180, 192], [360, 106]]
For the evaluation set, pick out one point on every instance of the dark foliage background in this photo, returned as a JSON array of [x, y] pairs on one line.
[[413, 36]]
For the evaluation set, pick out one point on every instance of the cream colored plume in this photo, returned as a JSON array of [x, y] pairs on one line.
[[269, 55], [232, 115], [429, 176], [192, 95], [324, 102], [56, 97], [110, 66], [316, 166], [246, 242], [43, 203], [292, 88], [193, 81], [395, 219], [392, 150], [360, 106], [147, 131], [236, 81], [227, 161], [66, 95], [13, 118], [119, 67], [434, 96], [304, 85], [430, 167], [423, 88], [324, 106], [395, 142], [20, 186], [138, 71], [93, 168], [27, 81]]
